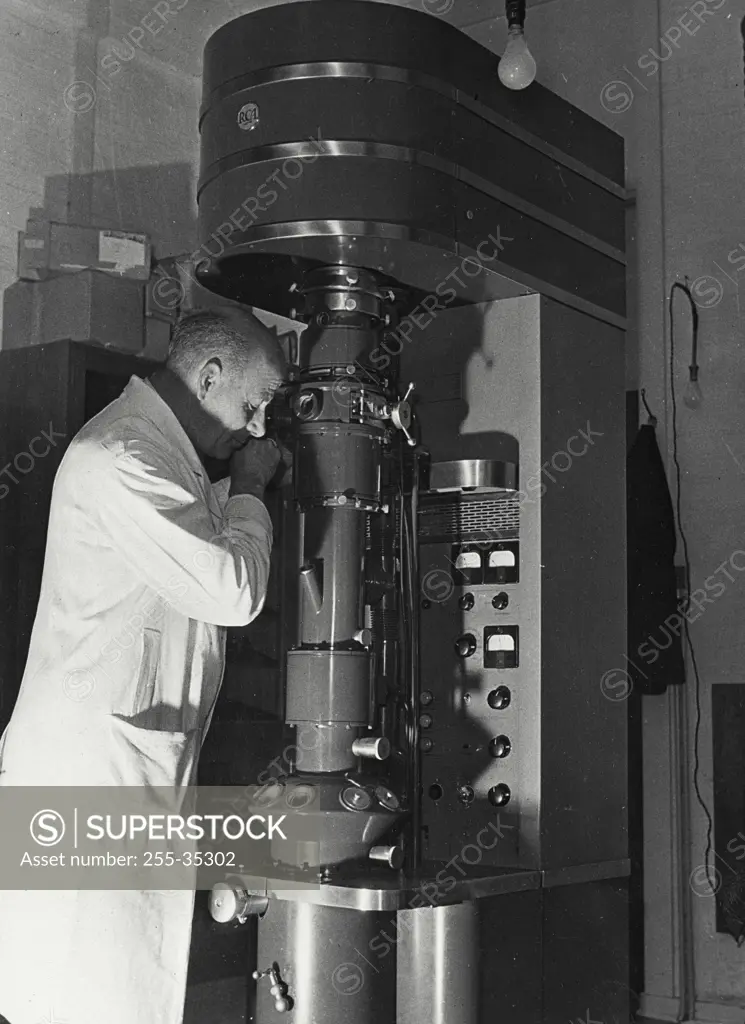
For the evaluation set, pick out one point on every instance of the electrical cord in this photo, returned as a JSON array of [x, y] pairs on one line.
[[678, 515]]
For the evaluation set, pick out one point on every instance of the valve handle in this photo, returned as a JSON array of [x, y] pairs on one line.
[[277, 989], [401, 415]]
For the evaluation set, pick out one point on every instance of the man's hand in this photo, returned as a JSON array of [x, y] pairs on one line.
[[253, 466]]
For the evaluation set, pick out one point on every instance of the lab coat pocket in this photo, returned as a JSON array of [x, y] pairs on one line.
[[151, 757]]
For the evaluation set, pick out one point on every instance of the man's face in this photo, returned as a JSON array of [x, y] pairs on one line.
[[235, 402]]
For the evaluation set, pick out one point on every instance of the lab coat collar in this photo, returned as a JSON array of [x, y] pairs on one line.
[[149, 404]]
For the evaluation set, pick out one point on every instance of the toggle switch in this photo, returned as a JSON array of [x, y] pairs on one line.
[[500, 601], [466, 602], [465, 645]]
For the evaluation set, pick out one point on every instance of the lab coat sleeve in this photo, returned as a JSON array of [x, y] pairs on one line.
[[166, 534]]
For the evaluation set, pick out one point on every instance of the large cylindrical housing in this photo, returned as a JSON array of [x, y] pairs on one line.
[[321, 956], [379, 136]]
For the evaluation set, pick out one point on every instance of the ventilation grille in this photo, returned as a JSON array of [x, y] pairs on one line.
[[454, 518]]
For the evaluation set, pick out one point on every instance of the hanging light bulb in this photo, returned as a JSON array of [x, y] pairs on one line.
[[517, 68], [693, 396]]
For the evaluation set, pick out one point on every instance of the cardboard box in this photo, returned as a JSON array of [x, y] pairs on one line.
[[157, 339], [47, 248], [166, 294], [88, 306]]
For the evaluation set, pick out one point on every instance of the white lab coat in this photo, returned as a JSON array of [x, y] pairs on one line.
[[144, 565]]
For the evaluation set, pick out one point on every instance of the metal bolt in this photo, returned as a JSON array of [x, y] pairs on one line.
[[350, 303]]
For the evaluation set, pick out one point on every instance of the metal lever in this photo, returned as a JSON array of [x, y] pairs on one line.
[[401, 415], [282, 1003], [309, 577]]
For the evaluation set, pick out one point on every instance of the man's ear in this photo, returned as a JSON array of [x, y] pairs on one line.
[[209, 377]]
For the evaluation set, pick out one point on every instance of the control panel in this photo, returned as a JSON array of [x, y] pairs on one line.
[[470, 697]]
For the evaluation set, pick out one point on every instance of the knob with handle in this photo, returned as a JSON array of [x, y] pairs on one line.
[[465, 645], [277, 989]]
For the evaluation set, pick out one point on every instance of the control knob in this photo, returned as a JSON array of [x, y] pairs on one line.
[[465, 645]]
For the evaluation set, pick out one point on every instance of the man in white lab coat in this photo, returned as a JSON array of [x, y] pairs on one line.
[[146, 562]]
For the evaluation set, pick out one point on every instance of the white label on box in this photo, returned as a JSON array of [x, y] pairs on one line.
[[125, 251], [33, 243]]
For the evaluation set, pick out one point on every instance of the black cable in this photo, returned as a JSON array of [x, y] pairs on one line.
[[651, 416], [697, 679]]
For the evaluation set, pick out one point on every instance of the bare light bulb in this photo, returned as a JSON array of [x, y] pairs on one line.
[[516, 68], [693, 396]]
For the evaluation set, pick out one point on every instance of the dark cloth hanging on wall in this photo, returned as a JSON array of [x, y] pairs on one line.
[[655, 622]]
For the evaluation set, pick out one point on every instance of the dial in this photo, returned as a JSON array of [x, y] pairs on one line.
[[465, 645], [500, 746], [499, 795], [499, 699]]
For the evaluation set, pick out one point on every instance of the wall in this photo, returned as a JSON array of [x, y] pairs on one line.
[[38, 50], [701, 105], [669, 77]]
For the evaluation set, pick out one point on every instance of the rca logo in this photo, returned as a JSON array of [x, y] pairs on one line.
[[248, 117]]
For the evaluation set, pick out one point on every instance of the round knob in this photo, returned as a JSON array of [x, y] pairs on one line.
[[465, 645], [500, 746], [499, 699], [499, 795], [425, 721], [227, 904], [500, 601], [282, 1005], [355, 798], [426, 697], [466, 602]]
